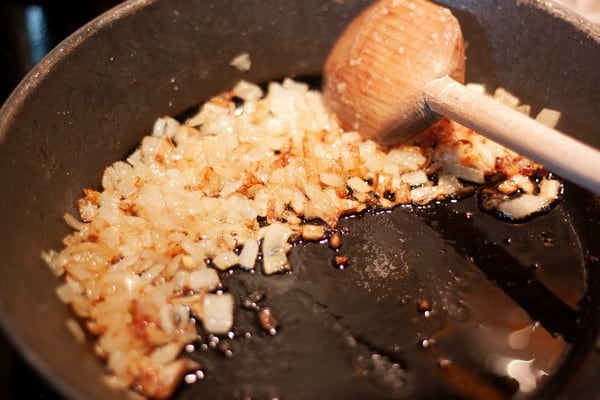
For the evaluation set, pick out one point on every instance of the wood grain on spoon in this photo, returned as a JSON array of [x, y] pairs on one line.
[[398, 67]]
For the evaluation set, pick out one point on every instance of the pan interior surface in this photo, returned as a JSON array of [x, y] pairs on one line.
[[434, 301], [413, 314]]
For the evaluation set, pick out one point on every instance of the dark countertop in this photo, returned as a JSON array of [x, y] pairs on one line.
[[29, 30]]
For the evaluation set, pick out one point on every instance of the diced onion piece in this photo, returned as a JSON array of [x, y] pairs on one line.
[[188, 262], [249, 254], [449, 183], [248, 91], [358, 185], [476, 87], [330, 179], [74, 222], [548, 117], [423, 194], [549, 189], [114, 383], [466, 173], [76, 330], [523, 206], [527, 204], [218, 313], [274, 248], [516, 182], [313, 232], [291, 217], [65, 292], [506, 98], [230, 188], [203, 279], [51, 259], [165, 127], [415, 178], [226, 260], [241, 62], [165, 354], [169, 377]]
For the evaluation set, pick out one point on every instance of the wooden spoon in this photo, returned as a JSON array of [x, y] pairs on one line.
[[396, 69]]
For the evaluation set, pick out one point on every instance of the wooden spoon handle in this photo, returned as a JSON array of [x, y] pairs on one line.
[[558, 152]]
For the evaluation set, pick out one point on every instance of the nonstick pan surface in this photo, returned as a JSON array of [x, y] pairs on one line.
[[413, 314], [439, 301]]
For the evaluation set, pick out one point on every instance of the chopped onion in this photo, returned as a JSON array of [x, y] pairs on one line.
[[203, 279], [274, 248], [358, 185], [330, 179], [248, 91], [226, 260], [249, 254], [313, 232], [218, 313], [467, 173], [548, 117], [523, 206], [165, 126], [241, 62], [76, 330], [549, 189], [476, 87], [415, 178]]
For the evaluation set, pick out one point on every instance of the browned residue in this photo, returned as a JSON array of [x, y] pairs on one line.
[[92, 196], [128, 208]]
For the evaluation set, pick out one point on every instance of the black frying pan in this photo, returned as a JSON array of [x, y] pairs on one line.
[[498, 293]]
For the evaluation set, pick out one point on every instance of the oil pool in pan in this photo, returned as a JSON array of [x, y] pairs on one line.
[[433, 301]]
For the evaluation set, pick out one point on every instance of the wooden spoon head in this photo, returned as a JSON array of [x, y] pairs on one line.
[[375, 74]]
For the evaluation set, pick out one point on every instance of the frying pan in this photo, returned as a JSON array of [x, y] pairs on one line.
[[438, 301]]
